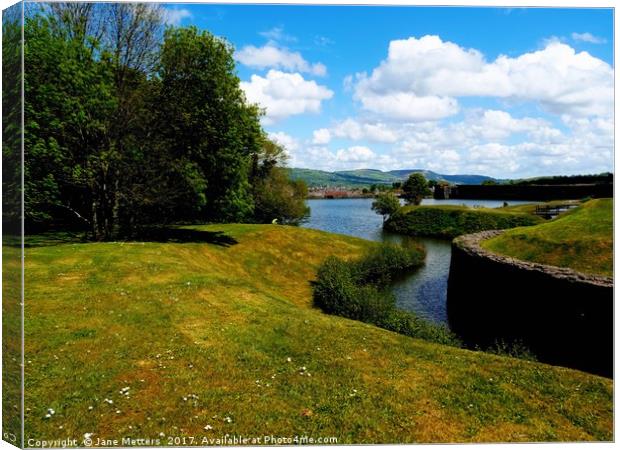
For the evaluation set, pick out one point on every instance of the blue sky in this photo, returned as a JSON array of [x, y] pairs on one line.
[[504, 92]]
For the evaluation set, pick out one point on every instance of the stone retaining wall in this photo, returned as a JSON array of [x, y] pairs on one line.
[[563, 316]]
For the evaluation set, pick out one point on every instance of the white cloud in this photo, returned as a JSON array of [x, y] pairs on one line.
[[477, 125], [509, 147], [355, 154], [285, 94], [408, 106], [499, 125], [272, 56], [582, 146], [442, 161], [348, 83], [349, 158], [277, 34], [489, 142], [323, 41], [290, 144], [356, 131], [321, 136], [422, 78], [587, 37], [174, 16]]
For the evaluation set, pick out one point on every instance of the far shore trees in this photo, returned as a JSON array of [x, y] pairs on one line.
[[130, 124], [415, 188]]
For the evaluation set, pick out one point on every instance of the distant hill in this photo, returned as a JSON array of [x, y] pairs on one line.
[[366, 177]]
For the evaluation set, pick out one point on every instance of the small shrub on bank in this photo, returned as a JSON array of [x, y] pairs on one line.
[[384, 262], [359, 290], [339, 291]]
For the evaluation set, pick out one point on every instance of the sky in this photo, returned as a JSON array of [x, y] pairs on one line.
[[502, 92]]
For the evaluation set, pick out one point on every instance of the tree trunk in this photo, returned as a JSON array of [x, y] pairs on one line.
[[95, 224]]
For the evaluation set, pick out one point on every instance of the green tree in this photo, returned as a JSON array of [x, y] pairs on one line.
[[489, 183], [88, 70], [386, 204], [11, 120], [207, 122], [415, 188], [279, 199], [68, 103], [129, 127]]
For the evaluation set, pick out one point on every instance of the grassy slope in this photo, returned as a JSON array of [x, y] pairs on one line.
[[581, 239], [530, 208], [11, 340], [449, 221], [176, 319]]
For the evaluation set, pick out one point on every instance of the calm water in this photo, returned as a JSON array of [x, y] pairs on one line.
[[423, 292]]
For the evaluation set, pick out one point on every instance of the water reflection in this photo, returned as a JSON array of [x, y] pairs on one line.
[[423, 292]]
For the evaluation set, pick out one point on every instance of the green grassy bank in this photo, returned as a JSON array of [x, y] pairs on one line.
[[449, 221], [217, 329], [581, 239]]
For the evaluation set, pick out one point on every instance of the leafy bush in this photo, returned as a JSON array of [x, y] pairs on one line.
[[280, 199], [386, 204], [359, 290], [452, 221], [387, 260], [339, 290]]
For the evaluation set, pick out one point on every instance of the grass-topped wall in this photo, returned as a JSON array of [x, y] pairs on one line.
[[581, 239], [562, 316], [451, 220]]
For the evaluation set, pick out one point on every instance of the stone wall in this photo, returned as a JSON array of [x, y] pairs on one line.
[[563, 316]]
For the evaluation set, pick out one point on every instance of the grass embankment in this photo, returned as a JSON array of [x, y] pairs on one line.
[[530, 208], [182, 335], [449, 221], [581, 239], [11, 339]]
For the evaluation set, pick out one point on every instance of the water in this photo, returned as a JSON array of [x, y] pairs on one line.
[[425, 291]]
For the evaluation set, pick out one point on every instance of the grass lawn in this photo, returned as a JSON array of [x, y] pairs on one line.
[[530, 208], [581, 239], [152, 339]]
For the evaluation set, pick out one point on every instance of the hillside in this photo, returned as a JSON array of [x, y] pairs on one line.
[[366, 177], [215, 328], [581, 239]]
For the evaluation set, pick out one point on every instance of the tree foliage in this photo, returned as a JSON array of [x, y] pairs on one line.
[[280, 199], [131, 124], [415, 188], [206, 119], [386, 204], [11, 120]]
